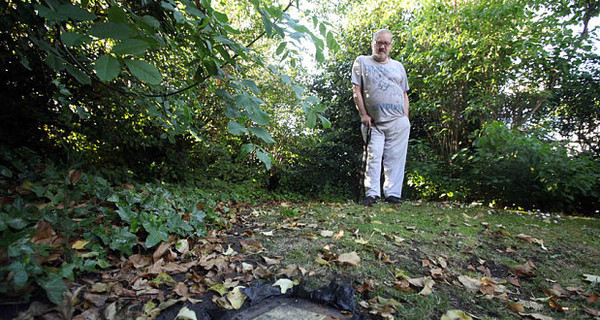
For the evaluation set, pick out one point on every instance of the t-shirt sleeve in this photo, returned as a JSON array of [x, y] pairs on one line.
[[356, 73], [405, 82]]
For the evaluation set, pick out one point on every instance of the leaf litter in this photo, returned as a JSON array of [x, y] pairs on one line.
[[218, 268]]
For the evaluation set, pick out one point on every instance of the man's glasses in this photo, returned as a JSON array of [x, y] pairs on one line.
[[384, 43]]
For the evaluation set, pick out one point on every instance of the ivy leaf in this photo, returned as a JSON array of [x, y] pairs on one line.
[[107, 68], [262, 133], [144, 71], [55, 287]]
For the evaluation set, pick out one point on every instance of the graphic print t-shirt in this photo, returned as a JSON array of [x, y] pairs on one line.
[[383, 86]]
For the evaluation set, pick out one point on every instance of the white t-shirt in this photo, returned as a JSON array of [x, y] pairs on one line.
[[383, 86]]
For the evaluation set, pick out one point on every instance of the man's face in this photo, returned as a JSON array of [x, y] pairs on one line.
[[381, 47]]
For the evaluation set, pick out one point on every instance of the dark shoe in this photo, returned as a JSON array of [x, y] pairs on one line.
[[369, 201], [392, 199]]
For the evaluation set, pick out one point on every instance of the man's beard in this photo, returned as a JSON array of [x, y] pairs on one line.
[[379, 57]]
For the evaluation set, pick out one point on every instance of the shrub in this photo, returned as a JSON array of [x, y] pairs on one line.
[[523, 169]]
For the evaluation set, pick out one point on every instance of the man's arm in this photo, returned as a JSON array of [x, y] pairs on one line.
[[406, 103], [360, 105]]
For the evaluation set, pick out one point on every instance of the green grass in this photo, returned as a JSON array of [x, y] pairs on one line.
[[464, 237]]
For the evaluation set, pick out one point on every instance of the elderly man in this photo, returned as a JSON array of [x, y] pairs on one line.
[[380, 84]]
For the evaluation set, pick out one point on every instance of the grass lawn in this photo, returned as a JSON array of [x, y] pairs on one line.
[[420, 260]]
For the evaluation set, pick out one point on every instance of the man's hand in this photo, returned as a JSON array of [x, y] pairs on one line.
[[366, 120]]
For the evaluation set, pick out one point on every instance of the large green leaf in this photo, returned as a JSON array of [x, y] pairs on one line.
[[144, 71], [252, 106], [55, 62], [246, 149], [78, 74], [107, 68], [252, 86], [54, 287], [117, 14], [76, 13], [112, 30], [262, 133], [265, 157], [326, 123], [74, 39], [131, 46], [235, 128]]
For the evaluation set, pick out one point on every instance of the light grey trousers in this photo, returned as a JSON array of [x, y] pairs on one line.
[[388, 145]]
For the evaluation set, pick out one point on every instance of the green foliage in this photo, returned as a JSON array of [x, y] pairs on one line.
[[524, 169], [46, 209]]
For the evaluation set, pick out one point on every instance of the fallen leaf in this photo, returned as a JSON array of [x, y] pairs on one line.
[[79, 244], [229, 252], [219, 288], [350, 258], [139, 261], [471, 284], [74, 175], [182, 246], [267, 233], [182, 290], [591, 278], [515, 306], [186, 314], [591, 311], [272, 261], [285, 284], [322, 261], [456, 315], [532, 305], [537, 316], [326, 233], [524, 270], [237, 297], [514, 281], [252, 245], [339, 235], [160, 250], [366, 286], [428, 284]]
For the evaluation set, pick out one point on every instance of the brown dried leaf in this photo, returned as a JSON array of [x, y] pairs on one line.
[[252, 245], [524, 237], [270, 261], [428, 284], [591, 311], [182, 290], [471, 284], [517, 307], [140, 261], [524, 270], [514, 281], [74, 176], [160, 250]]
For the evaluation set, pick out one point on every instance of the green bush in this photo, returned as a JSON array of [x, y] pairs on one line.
[[517, 168]]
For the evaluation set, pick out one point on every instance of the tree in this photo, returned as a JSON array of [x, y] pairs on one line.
[[132, 80]]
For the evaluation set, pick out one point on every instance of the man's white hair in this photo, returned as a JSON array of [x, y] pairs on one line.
[[381, 32]]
